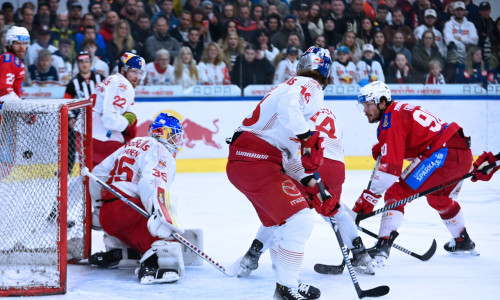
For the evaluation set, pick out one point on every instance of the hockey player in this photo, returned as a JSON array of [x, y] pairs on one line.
[[438, 152], [257, 150], [143, 171], [332, 173], [113, 123], [12, 67]]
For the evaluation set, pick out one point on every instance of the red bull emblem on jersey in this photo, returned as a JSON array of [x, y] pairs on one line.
[[122, 86]]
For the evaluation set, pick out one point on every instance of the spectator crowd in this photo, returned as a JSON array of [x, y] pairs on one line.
[[242, 42]]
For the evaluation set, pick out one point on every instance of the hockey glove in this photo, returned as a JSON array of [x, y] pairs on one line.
[[482, 161], [131, 130], [376, 150], [328, 207], [366, 202], [159, 228], [312, 152]]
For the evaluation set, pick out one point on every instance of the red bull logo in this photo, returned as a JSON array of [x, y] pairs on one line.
[[195, 132]]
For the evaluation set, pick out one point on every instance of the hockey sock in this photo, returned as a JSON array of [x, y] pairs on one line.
[[391, 220], [456, 224]]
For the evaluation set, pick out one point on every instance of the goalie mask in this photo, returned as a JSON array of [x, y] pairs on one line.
[[316, 58], [168, 130]]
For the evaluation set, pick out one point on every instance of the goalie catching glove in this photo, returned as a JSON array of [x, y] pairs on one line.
[[312, 152], [482, 161], [328, 207], [366, 202]]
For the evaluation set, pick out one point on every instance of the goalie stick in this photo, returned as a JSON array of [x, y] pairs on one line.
[[361, 217], [85, 172], [374, 292]]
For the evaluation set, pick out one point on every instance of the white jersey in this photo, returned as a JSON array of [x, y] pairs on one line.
[[370, 73], [284, 113], [285, 70], [143, 168], [343, 74], [213, 74], [155, 77], [114, 96], [32, 53], [465, 30], [438, 37]]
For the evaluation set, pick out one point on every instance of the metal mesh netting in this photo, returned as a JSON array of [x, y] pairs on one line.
[[30, 185]]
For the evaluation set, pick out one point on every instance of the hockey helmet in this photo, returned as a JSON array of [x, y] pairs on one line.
[[316, 58], [132, 61], [374, 91], [17, 34], [168, 130]]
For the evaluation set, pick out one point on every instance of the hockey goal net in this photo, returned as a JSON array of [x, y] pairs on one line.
[[44, 207]]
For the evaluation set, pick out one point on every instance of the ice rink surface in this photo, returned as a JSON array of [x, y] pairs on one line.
[[229, 222]]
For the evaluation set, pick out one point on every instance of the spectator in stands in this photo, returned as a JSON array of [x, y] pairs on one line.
[[250, 70], [398, 44], [475, 70], [303, 22], [180, 32], [398, 24], [61, 30], [27, 18], [369, 7], [95, 8], [141, 34], [258, 16], [332, 38], [83, 84], [279, 39], [384, 53], [8, 13], [166, 10], [214, 26], [355, 9], [53, 8], [416, 15], [425, 51], [316, 26], [246, 26], [430, 20], [159, 71], [42, 73], [212, 69], [2, 21], [484, 24], [343, 69], [369, 69], [287, 68], [106, 6], [41, 43], [349, 40], [228, 13], [130, 14], [192, 4], [75, 16], [264, 47], [117, 5], [161, 40], [281, 6], [89, 32], [381, 18], [400, 71], [367, 31], [42, 16], [121, 43], [273, 23], [108, 26], [472, 11], [62, 60], [98, 66], [194, 43], [186, 72], [320, 41], [232, 47], [459, 31], [493, 43], [343, 22], [199, 21], [229, 26], [434, 76], [3, 40]]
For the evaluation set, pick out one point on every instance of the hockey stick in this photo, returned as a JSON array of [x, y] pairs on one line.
[[375, 292], [85, 172], [361, 217]]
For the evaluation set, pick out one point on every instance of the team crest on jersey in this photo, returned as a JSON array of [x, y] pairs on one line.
[[161, 195], [386, 121], [162, 163], [122, 86], [17, 61], [7, 57]]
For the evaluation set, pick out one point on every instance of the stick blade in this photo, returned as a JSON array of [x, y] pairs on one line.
[[329, 269], [430, 252], [379, 291]]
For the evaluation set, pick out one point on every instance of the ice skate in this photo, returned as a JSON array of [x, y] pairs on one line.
[[380, 252], [308, 291], [462, 245], [109, 259], [361, 260], [150, 272], [286, 293], [250, 261]]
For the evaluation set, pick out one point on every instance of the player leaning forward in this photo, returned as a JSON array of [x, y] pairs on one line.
[[255, 162], [143, 171], [438, 152], [113, 124]]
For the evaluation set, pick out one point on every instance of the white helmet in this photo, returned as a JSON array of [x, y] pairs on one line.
[[17, 34], [316, 58], [373, 92]]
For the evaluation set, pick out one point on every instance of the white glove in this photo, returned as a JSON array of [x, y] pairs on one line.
[[159, 228]]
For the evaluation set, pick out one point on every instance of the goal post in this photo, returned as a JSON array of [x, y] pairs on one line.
[[45, 205]]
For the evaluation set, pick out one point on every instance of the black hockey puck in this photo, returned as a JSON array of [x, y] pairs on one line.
[[27, 154]]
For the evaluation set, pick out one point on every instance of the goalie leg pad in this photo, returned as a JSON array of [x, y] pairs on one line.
[[194, 236], [162, 263]]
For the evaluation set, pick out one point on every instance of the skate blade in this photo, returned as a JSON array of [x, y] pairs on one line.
[[378, 262], [368, 270], [168, 277], [244, 272], [472, 252]]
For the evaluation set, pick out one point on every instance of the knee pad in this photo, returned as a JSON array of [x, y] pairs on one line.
[[394, 194], [445, 206], [296, 231], [169, 255]]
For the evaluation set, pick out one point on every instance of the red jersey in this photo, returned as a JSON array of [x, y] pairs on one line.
[[11, 74], [406, 131]]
